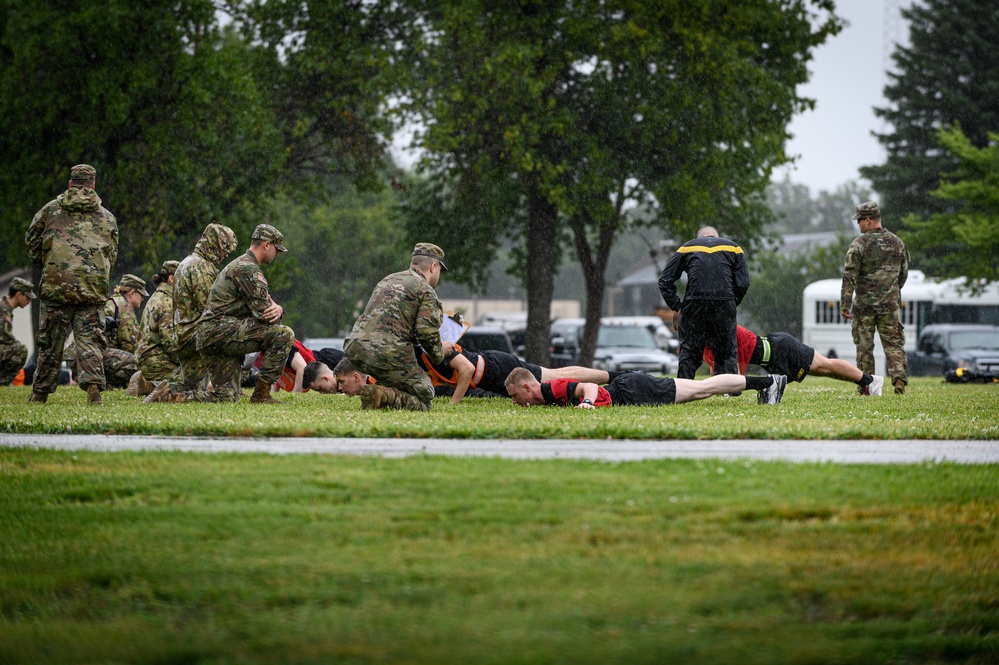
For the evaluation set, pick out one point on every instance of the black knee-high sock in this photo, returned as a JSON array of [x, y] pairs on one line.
[[759, 382], [865, 380]]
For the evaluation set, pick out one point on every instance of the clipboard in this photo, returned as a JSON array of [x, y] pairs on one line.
[[454, 327]]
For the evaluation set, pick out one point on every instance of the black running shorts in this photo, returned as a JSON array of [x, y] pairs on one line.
[[789, 357], [641, 389], [498, 367]]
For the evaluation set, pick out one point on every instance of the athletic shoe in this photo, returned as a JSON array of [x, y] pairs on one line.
[[773, 393], [873, 388], [899, 387]]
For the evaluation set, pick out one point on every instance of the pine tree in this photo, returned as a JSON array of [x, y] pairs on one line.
[[949, 74]]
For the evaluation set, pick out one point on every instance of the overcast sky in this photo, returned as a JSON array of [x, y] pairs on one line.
[[834, 141]]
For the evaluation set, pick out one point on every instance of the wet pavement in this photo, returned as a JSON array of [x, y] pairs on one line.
[[612, 450]]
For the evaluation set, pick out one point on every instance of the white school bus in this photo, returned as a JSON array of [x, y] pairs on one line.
[[924, 301]]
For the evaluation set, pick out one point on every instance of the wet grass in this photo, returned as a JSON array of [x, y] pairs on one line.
[[815, 409], [195, 558]]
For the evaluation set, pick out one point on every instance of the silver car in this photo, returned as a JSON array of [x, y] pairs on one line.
[[620, 347]]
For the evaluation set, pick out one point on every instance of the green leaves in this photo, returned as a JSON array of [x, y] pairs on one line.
[[565, 114], [945, 77], [970, 228]]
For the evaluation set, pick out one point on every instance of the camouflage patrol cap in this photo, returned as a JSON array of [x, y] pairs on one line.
[[133, 282], [431, 250], [24, 286], [271, 235], [83, 172], [169, 267], [865, 210]]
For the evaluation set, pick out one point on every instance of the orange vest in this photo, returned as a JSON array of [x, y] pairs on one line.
[[439, 379]]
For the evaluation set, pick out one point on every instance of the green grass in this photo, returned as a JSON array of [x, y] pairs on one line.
[[215, 559], [815, 409]]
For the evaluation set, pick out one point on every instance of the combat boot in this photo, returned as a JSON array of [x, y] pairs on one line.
[[138, 386], [262, 394], [94, 395], [365, 394], [899, 387], [38, 398], [382, 397], [161, 393]]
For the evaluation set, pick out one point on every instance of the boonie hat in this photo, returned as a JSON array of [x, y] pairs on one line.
[[869, 209], [133, 282], [431, 250], [24, 286], [169, 267], [271, 235], [83, 172]]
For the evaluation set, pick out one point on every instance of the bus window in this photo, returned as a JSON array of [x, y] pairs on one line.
[[827, 312]]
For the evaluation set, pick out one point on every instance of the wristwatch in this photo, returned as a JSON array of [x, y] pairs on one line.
[[587, 401]]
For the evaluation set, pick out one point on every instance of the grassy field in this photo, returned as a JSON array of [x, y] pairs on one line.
[[214, 559], [815, 409]]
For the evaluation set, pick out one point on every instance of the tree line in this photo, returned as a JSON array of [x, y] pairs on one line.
[[542, 128]]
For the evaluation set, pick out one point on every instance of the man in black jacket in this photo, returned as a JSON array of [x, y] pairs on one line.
[[717, 280]]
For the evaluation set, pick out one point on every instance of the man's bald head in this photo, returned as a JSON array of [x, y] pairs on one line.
[[707, 232]]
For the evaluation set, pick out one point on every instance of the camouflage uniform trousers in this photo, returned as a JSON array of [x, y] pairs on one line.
[[225, 357], [12, 357], [404, 374], [159, 369], [892, 334], [55, 322], [192, 377], [119, 365]]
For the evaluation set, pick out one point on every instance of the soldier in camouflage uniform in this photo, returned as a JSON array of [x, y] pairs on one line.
[[193, 281], [125, 302], [403, 311], [12, 352], [877, 265], [241, 317], [156, 353], [119, 355], [74, 240]]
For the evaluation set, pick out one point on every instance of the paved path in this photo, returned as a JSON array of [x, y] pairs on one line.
[[848, 452]]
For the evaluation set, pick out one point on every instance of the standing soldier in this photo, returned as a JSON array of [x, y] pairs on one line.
[[12, 352], [156, 353], [241, 317], [193, 280], [877, 265], [74, 240], [403, 311]]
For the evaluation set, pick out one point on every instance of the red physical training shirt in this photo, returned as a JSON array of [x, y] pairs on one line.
[[746, 340], [562, 393]]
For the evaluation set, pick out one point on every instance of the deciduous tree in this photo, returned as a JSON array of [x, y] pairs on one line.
[[546, 121]]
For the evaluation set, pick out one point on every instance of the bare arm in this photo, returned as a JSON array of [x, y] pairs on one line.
[[298, 364], [586, 391]]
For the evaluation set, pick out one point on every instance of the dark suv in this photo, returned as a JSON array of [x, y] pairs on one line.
[[946, 346]]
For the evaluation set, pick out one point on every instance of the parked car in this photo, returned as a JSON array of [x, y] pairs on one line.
[[946, 346], [483, 338], [621, 346], [660, 331], [514, 323]]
